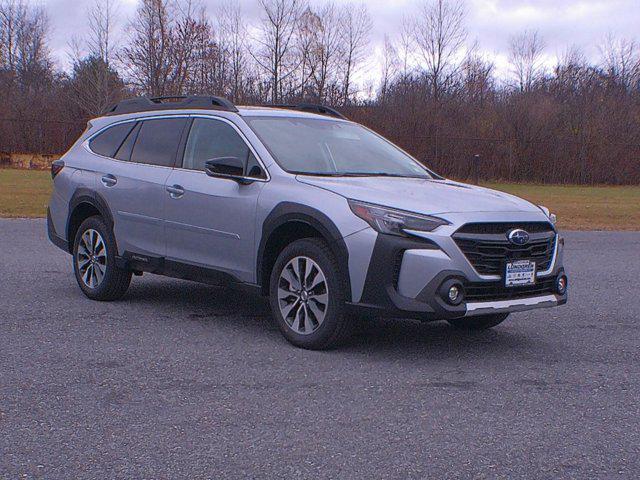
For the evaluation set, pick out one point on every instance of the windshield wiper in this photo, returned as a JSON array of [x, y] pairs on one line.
[[360, 174], [397, 175]]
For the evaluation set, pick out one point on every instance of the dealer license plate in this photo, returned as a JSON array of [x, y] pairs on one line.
[[520, 273]]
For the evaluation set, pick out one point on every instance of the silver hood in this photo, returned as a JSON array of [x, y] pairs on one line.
[[421, 195]]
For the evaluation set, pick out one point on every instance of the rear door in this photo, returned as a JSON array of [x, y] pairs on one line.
[[133, 183], [210, 221]]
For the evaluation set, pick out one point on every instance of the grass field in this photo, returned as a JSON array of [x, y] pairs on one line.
[[25, 193], [584, 208]]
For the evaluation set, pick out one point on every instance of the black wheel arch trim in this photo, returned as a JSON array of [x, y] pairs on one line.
[[85, 195], [286, 212]]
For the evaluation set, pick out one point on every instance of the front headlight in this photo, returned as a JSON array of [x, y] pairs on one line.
[[392, 221], [551, 216]]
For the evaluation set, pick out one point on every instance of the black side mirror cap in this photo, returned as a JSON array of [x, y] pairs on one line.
[[227, 167]]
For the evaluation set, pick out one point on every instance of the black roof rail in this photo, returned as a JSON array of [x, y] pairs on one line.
[[311, 108], [178, 102]]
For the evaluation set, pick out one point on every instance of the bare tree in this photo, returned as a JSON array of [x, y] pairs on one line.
[[233, 41], [191, 41], [308, 24], [405, 47], [477, 76], [95, 84], [389, 68], [439, 34], [101, 20], [23, 36], [355, 30], [621, 58], [526, 58], [325, 49], [13, 16], [275, 55], [146, 57]]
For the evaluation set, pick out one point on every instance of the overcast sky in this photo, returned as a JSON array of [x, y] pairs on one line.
[[562, 23]]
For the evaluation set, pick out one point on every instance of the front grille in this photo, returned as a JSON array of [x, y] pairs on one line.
[[485, 292], [503, 228], [487, 248]]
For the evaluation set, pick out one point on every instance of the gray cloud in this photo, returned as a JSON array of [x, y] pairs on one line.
[[562, 23]]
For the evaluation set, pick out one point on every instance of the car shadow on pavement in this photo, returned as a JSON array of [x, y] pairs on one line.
[[227, 307]]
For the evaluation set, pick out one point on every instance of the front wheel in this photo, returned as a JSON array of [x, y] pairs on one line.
[[481, 322], [94, 262], [307, 296]]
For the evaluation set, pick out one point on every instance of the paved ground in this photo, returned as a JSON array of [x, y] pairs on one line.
[[183, 380]]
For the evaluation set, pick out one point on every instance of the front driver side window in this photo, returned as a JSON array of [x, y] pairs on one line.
[[210, 139]]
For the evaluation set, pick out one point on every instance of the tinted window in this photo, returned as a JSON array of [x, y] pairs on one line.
[[157, 141], [108, 142], [210, 139], [124, 152]]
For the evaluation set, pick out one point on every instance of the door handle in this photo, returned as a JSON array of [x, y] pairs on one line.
[[109, 180], [175, 191]]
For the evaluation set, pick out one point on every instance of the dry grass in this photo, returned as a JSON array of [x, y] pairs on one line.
[[584, 208], [25, 193]]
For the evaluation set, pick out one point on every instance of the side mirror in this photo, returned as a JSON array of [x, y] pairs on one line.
[[227, 167]]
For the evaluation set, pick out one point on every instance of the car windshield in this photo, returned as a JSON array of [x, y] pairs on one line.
[[327, 147]]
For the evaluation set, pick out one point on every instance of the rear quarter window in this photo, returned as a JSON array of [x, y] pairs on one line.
[[108, 142]]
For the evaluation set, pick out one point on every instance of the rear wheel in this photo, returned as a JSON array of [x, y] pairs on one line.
[[94, 262], [307, 296], [481, 322]]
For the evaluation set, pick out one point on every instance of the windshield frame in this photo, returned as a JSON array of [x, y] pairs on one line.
[[429, 174]]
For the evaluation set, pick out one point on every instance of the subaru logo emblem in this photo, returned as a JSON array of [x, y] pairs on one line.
[[518, 237]]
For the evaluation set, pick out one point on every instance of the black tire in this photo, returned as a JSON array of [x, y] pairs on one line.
[[481, 322], [336, 326], [115, 281]]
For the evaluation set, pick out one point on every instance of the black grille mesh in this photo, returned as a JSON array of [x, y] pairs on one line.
[[499, 228], [487, 248]]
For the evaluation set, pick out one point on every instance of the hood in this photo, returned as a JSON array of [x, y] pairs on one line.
[[421, 195]]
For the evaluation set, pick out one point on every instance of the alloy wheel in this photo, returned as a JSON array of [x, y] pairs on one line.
[[92, 258], [303, 295]]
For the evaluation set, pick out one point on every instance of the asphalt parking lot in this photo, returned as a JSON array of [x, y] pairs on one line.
[[180, 380]]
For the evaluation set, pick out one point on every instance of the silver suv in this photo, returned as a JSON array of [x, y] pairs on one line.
[[320, 214]]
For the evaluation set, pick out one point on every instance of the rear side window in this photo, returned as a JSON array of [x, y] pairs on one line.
[[108, 142], [124, 152], [209, 139], [157, 141]]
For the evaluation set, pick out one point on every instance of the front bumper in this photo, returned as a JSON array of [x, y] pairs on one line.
[[404, 276]]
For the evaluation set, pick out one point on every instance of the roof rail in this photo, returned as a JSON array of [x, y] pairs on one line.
[[311, 108], [179, 102]]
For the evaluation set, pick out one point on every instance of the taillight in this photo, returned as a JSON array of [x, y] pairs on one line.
[[56, 168]]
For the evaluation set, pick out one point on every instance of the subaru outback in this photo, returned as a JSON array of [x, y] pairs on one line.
[[320, 214]]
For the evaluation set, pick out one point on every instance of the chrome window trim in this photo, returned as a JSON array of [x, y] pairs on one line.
[[86, 142]]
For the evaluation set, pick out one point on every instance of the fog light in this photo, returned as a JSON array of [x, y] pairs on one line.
[[561, 285], [454, 293]]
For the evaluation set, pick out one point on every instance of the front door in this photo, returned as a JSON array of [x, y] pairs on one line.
[[210, 222]]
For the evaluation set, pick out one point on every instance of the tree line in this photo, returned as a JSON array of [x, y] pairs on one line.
[[435, 93]]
